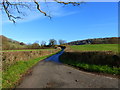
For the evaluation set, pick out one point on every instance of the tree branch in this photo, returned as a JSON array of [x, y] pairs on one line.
[[66, 3], [7, 6], [38, 8]]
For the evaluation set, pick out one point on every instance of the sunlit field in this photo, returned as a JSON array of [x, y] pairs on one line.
[[96, 47]]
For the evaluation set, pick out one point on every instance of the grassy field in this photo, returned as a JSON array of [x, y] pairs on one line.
[[24, 50], [15, 72], [96, 47]]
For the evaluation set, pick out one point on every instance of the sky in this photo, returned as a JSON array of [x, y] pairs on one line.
[[89, 20]]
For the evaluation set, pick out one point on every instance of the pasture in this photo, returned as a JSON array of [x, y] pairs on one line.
[[96, 47]]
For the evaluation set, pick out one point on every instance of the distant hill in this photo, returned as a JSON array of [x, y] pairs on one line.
[[110, 40], [9, 44]]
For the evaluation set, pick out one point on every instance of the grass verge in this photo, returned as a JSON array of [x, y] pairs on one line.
[[11, 76], [92, 67]]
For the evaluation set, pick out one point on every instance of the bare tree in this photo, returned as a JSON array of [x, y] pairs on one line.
[[43, 43], [62, 42], [52, 42], [13, 11]]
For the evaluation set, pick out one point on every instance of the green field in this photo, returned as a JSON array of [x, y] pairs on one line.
[[96, 47]]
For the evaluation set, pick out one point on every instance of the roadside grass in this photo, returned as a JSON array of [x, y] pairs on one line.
[[101, 58], [96, 47], [12, 75], [92, 67], [25, 50]]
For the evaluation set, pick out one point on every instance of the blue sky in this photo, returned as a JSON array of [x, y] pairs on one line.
[[90, 20]]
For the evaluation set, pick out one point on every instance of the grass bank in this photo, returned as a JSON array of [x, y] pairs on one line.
[[96, 47], [92, 67], [102, 58], [10, 58], [12, 75]]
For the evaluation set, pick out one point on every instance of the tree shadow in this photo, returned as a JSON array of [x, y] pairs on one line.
[[93, 57]]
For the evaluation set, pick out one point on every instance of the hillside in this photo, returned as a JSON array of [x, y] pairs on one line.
[[8, 44], [110, 40]]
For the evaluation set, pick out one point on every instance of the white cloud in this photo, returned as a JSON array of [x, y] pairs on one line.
[[56, 10]]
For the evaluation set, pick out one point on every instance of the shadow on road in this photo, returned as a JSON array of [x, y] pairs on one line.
[[55, 58]]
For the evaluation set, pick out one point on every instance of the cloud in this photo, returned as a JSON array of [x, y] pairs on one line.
[[63, 13], [56, 10]]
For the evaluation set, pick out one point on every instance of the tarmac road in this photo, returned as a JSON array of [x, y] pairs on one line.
[[49, 74]]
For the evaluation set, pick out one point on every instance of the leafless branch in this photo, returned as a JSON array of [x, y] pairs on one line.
[[7, 12], [7, 6], [38, 8], [66, 3]]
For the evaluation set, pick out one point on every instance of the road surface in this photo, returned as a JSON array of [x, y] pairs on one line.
[[49, 74]]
